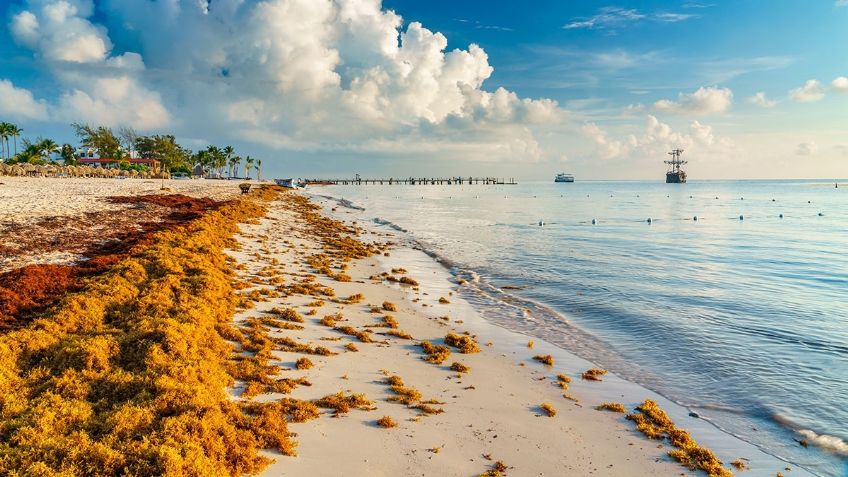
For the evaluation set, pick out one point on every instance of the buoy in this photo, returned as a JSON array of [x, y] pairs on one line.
[[649, 220], [821, 214], [741, 218], [741, 198], [781, 216], [772, 200], [695, 218], [716, 197], [809, 202], [593, 221]]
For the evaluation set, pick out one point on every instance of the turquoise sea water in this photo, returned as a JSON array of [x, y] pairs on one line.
[[740, 315]]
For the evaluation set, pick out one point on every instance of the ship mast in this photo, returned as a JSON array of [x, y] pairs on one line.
[[675, 161]]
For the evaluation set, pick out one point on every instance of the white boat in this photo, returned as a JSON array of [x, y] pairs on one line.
[[563, 177], [290, 183]]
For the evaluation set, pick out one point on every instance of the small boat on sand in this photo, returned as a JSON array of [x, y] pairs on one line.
[[290, 183]]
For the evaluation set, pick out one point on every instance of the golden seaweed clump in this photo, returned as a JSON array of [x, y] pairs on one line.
[[386, 422], [443, 300], [287, 314], [408, 281], [654, 423], [362, 336], [303, 363], [342, 403], [611, 406], [459, 367], [594, 374], [739, 464], [465, 344], [548, 409], [563, 381], [389, 306], [330, 320], [544, 358], [497, 470], [399, 334], [436, 354], [530, 344], [130, 374]]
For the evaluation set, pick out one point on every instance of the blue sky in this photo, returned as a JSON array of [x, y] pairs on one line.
[[323, 87]]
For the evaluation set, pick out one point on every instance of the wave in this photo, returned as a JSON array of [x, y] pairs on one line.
[[833, 444]]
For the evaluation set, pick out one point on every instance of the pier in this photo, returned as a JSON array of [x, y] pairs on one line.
[[414, 181]]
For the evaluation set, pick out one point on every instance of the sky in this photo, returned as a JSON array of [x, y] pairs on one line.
[[399, 88]]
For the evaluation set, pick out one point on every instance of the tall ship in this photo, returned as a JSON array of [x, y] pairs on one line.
[[563, 177], [675, 175]]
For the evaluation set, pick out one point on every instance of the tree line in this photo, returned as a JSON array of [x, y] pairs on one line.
[[122, 145]]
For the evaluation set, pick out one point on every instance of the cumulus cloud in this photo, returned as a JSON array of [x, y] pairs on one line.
[[810, 92], [95, 86], [706, 100], [840, 84], [59, 31], [658, 138], [19, 104], [760, 99], [806, 149], [316, 75]]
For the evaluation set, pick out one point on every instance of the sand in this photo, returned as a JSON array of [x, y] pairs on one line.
[[53, 220], [490, 414]]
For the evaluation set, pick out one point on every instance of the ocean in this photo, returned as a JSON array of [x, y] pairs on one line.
[[727, 297]]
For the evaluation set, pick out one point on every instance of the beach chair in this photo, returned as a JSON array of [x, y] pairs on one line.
[[245, 188]]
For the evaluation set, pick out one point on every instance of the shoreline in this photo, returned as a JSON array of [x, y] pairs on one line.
[[273, 260], [723, 442]]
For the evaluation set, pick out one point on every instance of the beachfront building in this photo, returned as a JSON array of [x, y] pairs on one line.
[[88, 157]]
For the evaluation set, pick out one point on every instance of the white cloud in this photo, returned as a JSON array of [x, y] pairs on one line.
[[840, 3], [59, 31], [840, 84], [810, 92], [114, 101], [806, 149], [658, 138], [609, 18], [706, 100], [760, 99], [19, 104]]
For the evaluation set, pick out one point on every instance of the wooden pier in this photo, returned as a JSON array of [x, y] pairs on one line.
[[414, 181]]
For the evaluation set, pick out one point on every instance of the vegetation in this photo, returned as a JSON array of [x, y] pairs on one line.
[[386, 422], [119, 147], [612, 406], [594, 374], [436, 354], [497, 470], [652, 421], [548, 409], [129, 376], [342, 403], [303, 363], [465, 344], [389, 306], [544, 358], [459, 367]]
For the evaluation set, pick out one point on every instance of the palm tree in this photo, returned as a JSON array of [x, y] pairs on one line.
[[46, 147], [259, 169], [248, 164], [68, 154], [233, 163], [15, 131], [228, 152], [238, 163], [5, 132]]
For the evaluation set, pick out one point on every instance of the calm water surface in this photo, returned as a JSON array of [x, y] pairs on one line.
[[743, 320]]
